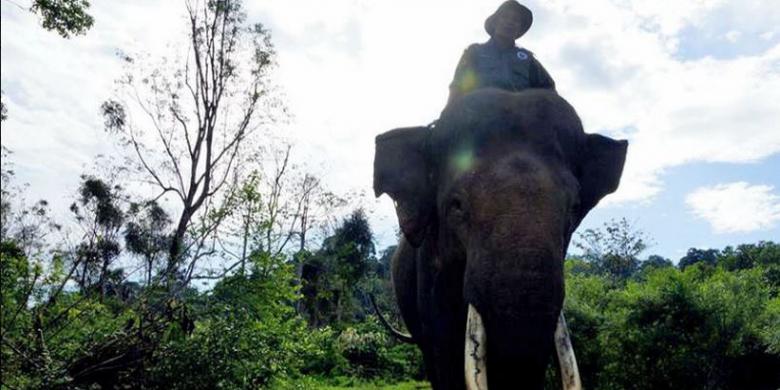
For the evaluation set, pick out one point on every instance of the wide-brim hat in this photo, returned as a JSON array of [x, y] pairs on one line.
[[526, 17]]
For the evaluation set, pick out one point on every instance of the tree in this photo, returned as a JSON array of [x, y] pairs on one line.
[[66, 17], [384, 262], [27, 225], [200, 118], [694, 255], [353, 244], [296, 202], [332, 276], [147, 234], [244, 225], [3, 112], [317, 207], [656, 261], [276, 205], [689, 329], [614, 249], [746, 256], [98, 212], [248, 335]]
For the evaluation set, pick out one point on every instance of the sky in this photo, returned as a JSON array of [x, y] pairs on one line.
[[693, 86]]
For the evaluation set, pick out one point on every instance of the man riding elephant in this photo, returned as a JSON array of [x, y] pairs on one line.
[[488, 198], [499, 63]]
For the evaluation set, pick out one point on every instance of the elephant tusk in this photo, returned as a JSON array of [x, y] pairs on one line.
[[476, 351], [570, 374], [403, 337]]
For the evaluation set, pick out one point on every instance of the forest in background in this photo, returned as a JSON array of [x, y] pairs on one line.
[[205, 258]]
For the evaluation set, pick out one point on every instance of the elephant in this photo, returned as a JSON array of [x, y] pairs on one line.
[[487, 200]]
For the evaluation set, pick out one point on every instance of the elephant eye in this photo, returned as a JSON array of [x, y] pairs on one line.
[[456, 208]]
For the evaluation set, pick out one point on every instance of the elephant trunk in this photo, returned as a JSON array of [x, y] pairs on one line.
[[519, 299], [475, 358]]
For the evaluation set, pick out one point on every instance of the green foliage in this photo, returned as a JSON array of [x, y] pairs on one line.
[[654, 262], [14, 280], [701, 327], [330, 383], [98, 212], [745, 256], [146, 234], [695, 256], [51, 343], [713, 322], [346, 383], [248, 334], [770, 331], [371, 354], [233, 350], [613, 249], [336, 277], [360, 353], [66, 17]]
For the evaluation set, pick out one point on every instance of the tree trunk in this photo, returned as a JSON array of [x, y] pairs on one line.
[[174, 253]]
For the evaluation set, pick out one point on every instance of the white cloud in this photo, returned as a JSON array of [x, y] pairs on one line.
[[352, 69], [626, 73], [736, 207], [733, 36]]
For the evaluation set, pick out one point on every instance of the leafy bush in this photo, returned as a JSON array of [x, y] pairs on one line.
[[248, 335], [701, 327], [232, 351], [372, 354], [362, 351]]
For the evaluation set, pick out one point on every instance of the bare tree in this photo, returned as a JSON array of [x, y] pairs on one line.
[[28, 225], [296, 202], [277, 210], [319, 209], [196, 122], [280, 212]]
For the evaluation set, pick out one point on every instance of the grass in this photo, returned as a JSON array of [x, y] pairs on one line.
[[372, 386], [343, 383]]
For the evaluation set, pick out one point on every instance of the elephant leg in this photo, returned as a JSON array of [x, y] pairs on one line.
[[449, 326]]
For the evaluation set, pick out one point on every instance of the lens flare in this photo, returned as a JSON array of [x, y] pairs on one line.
[[468, 81], [463, 160]]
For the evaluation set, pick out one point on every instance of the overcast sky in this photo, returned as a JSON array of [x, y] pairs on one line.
[[694, 86]]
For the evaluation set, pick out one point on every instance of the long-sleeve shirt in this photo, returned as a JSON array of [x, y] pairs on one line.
[[487, 65]]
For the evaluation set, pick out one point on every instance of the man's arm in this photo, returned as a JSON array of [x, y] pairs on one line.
[[465, 79], [539, 76]]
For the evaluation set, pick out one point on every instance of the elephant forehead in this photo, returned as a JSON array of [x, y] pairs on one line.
[[510, 154], [519, 184], [468, 157], [496, 169], [538, 120], [531, 199]]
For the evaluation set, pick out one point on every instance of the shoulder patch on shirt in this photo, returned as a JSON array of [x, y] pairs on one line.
[[522, 55]]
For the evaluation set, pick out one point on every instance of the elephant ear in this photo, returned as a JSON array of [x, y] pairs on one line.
[[402, 170], [601, 166]]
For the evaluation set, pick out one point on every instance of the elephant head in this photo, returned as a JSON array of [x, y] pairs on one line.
[[496, 189]]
